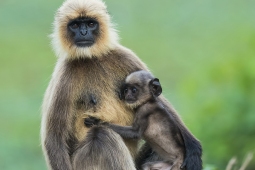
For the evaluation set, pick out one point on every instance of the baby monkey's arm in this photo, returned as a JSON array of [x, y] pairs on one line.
[[129, 132]]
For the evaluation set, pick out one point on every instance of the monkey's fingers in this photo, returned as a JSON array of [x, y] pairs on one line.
[[90, 121], [87, 123]]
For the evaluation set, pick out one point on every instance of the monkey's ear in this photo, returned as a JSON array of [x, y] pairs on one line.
[[155, 87]]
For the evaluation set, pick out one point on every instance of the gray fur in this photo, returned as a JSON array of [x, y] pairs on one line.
[[85, 83], [106, 150]]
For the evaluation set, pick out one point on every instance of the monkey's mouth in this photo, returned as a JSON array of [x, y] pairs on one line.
[[84, 43]]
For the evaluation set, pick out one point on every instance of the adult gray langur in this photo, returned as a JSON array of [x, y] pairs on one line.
[[90, 69]]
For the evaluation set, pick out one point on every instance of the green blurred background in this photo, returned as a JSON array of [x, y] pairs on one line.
[[203, 51]]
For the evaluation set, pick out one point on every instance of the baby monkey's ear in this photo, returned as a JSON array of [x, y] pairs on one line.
[[155, 87]]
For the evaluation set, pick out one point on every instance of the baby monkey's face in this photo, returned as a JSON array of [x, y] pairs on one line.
[[131, 93], [139, 88], [135, 94]]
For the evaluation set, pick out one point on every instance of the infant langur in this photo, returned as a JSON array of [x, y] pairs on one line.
[[152, 121]]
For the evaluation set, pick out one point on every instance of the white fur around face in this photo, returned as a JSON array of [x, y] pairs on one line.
[[72, 9]]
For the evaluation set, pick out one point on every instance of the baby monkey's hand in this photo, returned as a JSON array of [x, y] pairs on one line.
[[90, 121]]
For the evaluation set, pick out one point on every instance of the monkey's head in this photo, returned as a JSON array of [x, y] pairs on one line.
[[140, 87], [82, 28]]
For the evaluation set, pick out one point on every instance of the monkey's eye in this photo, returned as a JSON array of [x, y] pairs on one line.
[[74, 26], [134, 90], [91, 24]]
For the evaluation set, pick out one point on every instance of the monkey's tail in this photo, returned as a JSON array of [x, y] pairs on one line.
[[193, 153]]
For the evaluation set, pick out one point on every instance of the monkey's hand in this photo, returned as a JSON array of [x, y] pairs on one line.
[[90, 121]]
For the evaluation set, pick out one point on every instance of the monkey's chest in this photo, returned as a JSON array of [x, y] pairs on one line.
[[107, 107], [96, 82], [97, 95]]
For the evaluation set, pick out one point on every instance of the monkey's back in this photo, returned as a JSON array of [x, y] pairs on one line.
[[163, 135]]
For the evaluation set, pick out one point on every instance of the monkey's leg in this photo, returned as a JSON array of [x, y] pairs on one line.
[[146, 155], [103, 149], [193, 148]]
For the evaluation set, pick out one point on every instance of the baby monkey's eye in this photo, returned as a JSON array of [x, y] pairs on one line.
[[134, 90]]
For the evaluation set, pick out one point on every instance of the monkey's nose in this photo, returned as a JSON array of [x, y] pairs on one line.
[[83, 32], [83, 29]]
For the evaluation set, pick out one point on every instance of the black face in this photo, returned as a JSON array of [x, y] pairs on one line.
[[84, 31], [130, 93]]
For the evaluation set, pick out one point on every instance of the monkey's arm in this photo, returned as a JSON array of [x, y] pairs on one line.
[[56, 125], [129, 132]]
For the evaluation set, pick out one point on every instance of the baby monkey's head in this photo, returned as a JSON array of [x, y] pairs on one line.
[[140, 87]]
